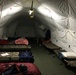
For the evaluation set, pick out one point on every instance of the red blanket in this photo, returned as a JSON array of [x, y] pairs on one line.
[[4, 41], [32, 68]]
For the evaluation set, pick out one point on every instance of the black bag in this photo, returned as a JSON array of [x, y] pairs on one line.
[[23, 69]]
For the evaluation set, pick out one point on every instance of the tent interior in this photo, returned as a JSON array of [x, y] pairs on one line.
[[58, 16]]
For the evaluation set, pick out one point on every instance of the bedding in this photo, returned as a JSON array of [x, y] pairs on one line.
[[22, 41], [4, 41], [32, 69], [14, 47]]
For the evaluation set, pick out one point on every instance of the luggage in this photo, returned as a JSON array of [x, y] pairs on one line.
[[26, 56]]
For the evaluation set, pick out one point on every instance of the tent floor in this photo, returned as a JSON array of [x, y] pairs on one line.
[[47, 63]]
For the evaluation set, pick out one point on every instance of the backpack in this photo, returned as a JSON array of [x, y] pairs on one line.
[[26, 56]]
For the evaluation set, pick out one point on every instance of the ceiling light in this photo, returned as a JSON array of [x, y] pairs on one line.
[[31, 11]]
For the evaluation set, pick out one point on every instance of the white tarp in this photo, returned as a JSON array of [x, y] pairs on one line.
[[65, 16]]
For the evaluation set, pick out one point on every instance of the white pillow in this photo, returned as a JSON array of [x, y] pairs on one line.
[[69, 54]]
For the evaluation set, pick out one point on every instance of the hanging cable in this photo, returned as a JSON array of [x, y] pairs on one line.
[[31, 11], [32, 5]]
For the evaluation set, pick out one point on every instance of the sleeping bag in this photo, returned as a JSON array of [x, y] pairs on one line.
[[19, 68], [26, 56]]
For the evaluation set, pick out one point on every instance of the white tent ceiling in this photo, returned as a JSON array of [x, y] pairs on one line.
[[55, 9]]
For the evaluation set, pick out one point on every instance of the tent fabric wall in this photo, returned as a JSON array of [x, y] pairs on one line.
[[68, 39], [25, 31], [9, 30], [39, 30], [1, 32], [23, 28]]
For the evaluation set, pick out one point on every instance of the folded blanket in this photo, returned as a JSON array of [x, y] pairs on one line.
[[22, 41]]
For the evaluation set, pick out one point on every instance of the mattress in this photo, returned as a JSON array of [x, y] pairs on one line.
[[14, 47]]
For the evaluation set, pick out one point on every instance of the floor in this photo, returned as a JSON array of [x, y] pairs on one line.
[[48, 63]]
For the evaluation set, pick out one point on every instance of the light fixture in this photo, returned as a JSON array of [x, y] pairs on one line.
[[31, 11]]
